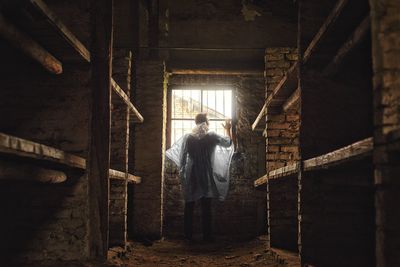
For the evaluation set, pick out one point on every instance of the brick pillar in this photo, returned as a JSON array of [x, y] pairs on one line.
[[386, 57], [119, 148], [282, 130], [282, 147], [150, 99]]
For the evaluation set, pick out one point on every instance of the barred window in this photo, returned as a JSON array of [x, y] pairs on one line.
[[187, 103]]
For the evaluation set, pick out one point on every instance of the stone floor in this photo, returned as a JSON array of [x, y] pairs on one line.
[[180, 253]]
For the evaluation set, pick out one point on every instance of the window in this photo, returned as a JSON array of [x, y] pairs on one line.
[[186, 103]]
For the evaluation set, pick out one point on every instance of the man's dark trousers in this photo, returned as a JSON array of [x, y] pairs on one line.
[[206, 218]]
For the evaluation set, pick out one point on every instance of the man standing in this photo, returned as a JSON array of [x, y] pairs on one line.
[[203, 159]]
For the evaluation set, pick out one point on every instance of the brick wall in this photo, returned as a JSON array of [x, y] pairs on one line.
[[243, 214], [149, 136], [386, 58]]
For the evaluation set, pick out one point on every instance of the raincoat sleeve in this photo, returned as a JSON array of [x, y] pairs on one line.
[[221, 161]]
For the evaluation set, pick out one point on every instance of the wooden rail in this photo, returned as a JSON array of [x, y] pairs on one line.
[[118, 175], [285, 171], [330, 20], [353, 152], [18, 147], [23, 148], [36, 19], [118, 90], [29, 47], [348, 153], [356, 37]]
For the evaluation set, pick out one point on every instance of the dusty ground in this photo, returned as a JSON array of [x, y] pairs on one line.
[[180, 253]]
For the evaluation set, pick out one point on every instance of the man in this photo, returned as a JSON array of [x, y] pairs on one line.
[[203, 159]]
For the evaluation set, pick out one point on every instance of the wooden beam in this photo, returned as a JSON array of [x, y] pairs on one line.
[[15, 146], [215, 72], [357, 36], [99, 148], [137, 117], [118, 175], [283, 90], [292, 100], [335, 13], [259, 116], [13, 171], [285, 171], [261, 181], [63, 30], [348, 153], [29, 47]]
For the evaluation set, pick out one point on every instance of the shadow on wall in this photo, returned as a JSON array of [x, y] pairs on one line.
[[43, 221]]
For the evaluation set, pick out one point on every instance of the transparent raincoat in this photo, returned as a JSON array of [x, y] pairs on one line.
[[203, 159]]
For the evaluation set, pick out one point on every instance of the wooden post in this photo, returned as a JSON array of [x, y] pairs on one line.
[[99, 150]]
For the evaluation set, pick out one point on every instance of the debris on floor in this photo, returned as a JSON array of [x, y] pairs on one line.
[[180, 253]]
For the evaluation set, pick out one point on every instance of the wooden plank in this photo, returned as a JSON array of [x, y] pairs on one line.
[[259, 116], [138, 118], [290, 169], [17, 171], [356, 37], [261, 181], [330, 20], [283, 90], [118, 175], [23, 148], [99, 146], [57, 24], [29, 47], [348, 153], [292, 101], [36, 19], [215, 72]]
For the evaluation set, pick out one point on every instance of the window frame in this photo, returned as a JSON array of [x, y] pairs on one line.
[[202, 88]]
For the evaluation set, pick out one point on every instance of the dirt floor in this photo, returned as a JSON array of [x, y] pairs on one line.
[[180, 253]]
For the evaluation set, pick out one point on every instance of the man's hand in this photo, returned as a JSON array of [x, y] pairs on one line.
[[228, 125]]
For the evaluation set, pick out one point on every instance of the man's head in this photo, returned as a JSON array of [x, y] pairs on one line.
[[200, 118]]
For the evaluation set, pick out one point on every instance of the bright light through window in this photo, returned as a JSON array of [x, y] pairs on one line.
[[186, 104]]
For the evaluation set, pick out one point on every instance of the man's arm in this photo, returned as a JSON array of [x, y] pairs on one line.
[[228, 128]]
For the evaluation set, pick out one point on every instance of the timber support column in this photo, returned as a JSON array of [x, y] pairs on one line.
[[99, 147]]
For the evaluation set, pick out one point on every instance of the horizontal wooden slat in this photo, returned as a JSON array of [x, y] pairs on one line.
[[36, 19], [259, 116], [348, 153], [25, 148], [356, 37], [290, 169], [324, 28], [284, 171], [261, 181], [292, 101], [118, 175], [29, 47], [137, 117], [283, 90]]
